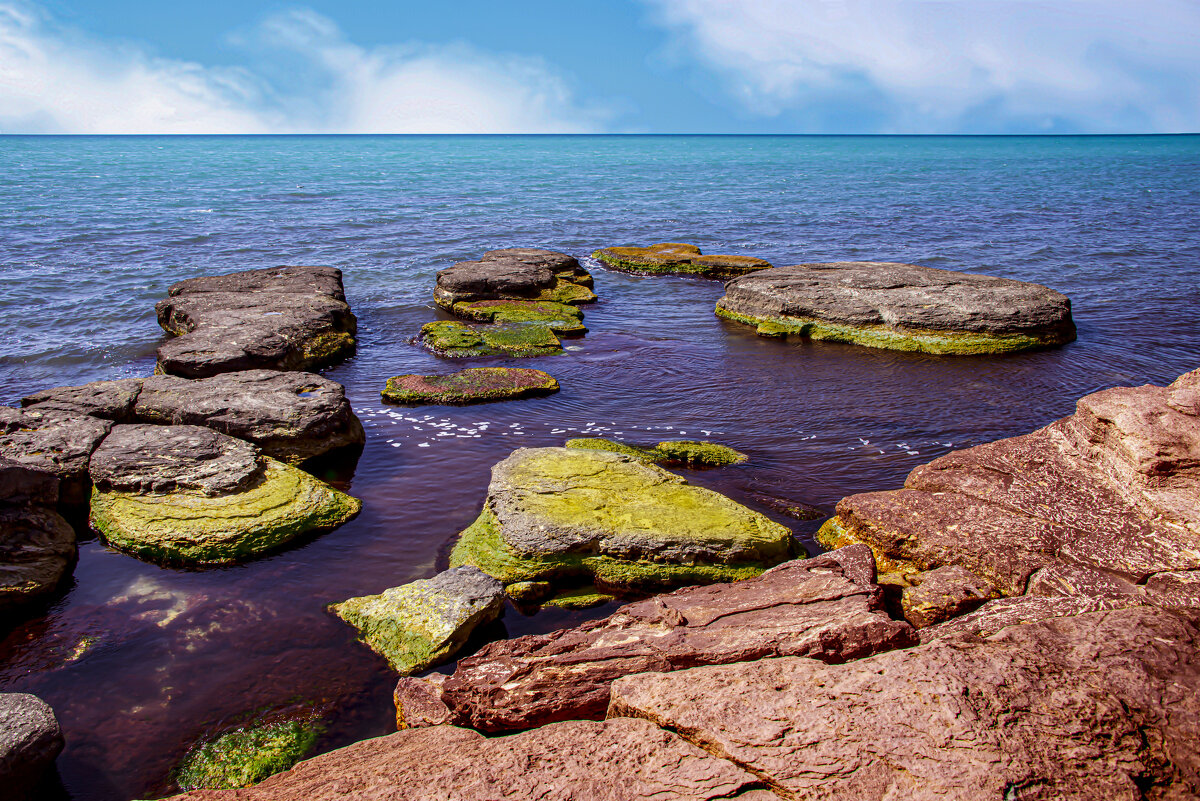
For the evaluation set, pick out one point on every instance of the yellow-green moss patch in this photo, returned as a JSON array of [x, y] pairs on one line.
[[558, 317], [247, 756], [472, 385], [453, 339], [686, 452]]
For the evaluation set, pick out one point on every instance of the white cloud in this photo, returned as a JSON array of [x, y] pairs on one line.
[[56, 80], [952, 65]]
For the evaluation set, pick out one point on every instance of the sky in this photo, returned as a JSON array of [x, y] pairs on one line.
[[600, 66]]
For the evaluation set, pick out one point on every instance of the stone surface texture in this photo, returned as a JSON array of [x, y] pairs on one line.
[[37, 546], [472, 385], [515, 274], [937, 595], [1102, 705], [150, 458], [676, 258], [690, 453], [58, 442], [284, 318], [111, 400], [30, 740], [423, 623], [900, 307]]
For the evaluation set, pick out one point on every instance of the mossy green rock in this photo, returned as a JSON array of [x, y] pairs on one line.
[[472, 385], [579, 598], [191, 526], [247, 756], [555, 513], [558, 317], [686, 452], [454, 339], [676, 258], [423, 623]]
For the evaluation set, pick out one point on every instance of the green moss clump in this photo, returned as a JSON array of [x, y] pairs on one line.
[[558, 317], [449, 338], [579, 598], [570, 293], [601, 444], [247, 756], [326, 348], [686, 452]]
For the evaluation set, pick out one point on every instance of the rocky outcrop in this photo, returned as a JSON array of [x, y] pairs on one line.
[[424, 623], [514, 274], [472, 385], [285, 318], [1102, 705], [614, 760], [459, 340], [192, 495], [900, 307], [689, 453], [37, 546], [58, 442], [936, 595], [567, 513], [827, 608], [1001, 613], [675, 258], [1104, 502]]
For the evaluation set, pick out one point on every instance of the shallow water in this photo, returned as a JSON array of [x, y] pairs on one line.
[[139, 661]]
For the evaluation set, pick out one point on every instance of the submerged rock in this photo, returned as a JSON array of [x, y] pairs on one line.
[[192, 495], [456, 340], [424, 623], [246, 756], [1102, 705], [675, 258], [472, 385], [682, 452], [521, 274], [284, 318], [826, 608], [558, 317], [900, 307], [37, 546], [554, 513], [30, 741], [58, 442]]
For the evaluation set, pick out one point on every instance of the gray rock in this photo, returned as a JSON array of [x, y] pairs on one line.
[[111, 400], [150, 458], [285, 318], [30, 741], [901, 307], [515, 274], [58, 442], [37, 546]]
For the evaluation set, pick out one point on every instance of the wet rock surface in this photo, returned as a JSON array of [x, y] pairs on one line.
[[472, 385], [521, 274], [111, 400], [285, 318], [825, 608], [30, 741], [459, 340], [900, 307], [1101, 705], [676, 258], [59, 442], [37, 546], [158, 459]]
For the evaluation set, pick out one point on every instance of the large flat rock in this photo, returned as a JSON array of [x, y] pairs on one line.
[[900, 307], [519, 274], [1101, 705], [58, 442], [1104, 502], [37, 546], [284, 318], [827, 608]]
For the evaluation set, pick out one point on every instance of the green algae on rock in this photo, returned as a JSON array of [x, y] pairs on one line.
[[457, 340], [247, 756], [558, 317], [685, 452], [675, 258], [423, 623], [579, 598], [472, 385]]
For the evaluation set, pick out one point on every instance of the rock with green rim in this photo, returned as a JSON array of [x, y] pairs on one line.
[[458, 340], [472, 385], [558, 317], [683, 452], [424, 623], [677, 258], [572, 514], [524, 274], [246, 756], [900, 307], [190, 495]]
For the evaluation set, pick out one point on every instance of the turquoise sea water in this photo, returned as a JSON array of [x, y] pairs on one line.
[[94, 229]]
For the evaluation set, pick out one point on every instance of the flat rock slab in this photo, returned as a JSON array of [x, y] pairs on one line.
[[37, 546], [1102, 705], [676, 258], [110, 400], [284, 318], [826, 608], [515, 274], [558, 512], [424, 623], [560, 318], [58, 442], [472, 385], [616, 760], [460, 340], [1104, 502], [900, 307], [158, 459], [30, 741]]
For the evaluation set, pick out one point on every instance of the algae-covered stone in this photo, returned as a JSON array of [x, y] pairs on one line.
[[558, 317], [247, 756], [580, 598], [568, 512], [515, 274], [686, 452], [676, 258], [425, 622], [472, 385], [454, 339]]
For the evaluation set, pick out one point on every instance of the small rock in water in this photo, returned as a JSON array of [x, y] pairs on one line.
[[674, 258], [472, 385]]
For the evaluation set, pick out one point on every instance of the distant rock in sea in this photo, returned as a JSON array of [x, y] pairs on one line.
[[675, 258]]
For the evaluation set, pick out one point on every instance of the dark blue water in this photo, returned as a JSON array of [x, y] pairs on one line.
[[93, 230]]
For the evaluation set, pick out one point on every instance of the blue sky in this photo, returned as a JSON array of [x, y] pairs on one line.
[[656, 66]]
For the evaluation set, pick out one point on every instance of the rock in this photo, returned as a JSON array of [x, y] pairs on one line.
[[900, 307], [284, 318], [424, 623], [554, 513], [1102, 705], [248, 755], [30, 741], [937, 595], [558, 317], [472, 385], [614, 760], [37, 546], [792, 508], [458, 340], [1001, 613], [110, 400], [522, 274], [579, 598], [419, 702], [814, 608], [674, 258], [192, 495], [673, 452], [58, 442]]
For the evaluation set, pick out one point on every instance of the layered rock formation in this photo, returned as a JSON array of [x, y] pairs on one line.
[[900, 307], [37, 546], [675, 258], [472, 385], [30, 741], [284, 318]]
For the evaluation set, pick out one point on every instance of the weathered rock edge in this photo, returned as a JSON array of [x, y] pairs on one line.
[[676, 258]]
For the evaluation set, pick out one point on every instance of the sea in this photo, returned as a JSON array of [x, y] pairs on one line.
[[142, 662]]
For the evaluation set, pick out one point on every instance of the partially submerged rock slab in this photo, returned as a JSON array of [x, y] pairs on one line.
[[284, 318], [459, 340], [424, 623], [59, 442], [820, 608], [1102, 705], [900, 307], [111, 400], [37, 546], [522, 274], [472, 385], [554, 513], [30, 741], [558, 317], [691, 453], [676, 258]]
